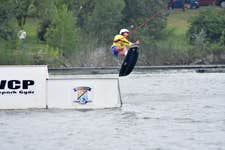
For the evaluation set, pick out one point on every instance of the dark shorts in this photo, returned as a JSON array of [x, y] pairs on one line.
[[114, 51]]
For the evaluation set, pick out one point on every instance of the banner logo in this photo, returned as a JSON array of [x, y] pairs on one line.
[[82, 95], [14, 87]]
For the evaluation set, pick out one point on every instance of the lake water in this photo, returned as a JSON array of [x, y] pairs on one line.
[[172, 110]]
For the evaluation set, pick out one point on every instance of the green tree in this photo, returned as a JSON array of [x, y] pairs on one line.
[[7, 15], [62, 32], [81, 9], [47, 9], [150, 13], [104, 19], [98, 18], [46, 12], [212, 21], [21, 11]]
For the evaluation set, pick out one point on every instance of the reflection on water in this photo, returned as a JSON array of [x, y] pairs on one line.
[[162, 111]]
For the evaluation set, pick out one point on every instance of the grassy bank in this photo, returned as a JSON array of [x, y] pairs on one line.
[[174, 47], [177, 26], [34, 51]]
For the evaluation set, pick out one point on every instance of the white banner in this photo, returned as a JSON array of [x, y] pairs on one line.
[[23, 87], [83, 93]]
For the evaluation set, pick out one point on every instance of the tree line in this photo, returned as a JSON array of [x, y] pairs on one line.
[[80, 32]]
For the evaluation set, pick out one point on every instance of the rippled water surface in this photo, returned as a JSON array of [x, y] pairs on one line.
[[176, 110]]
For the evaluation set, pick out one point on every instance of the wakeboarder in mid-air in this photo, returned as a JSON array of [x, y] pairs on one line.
[[129, 51], [121, 43]]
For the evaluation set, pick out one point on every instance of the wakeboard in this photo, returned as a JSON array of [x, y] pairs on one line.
[[129, 62]]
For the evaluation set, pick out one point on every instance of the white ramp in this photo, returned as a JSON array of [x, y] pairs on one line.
[[83, 93], [23, 87]]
